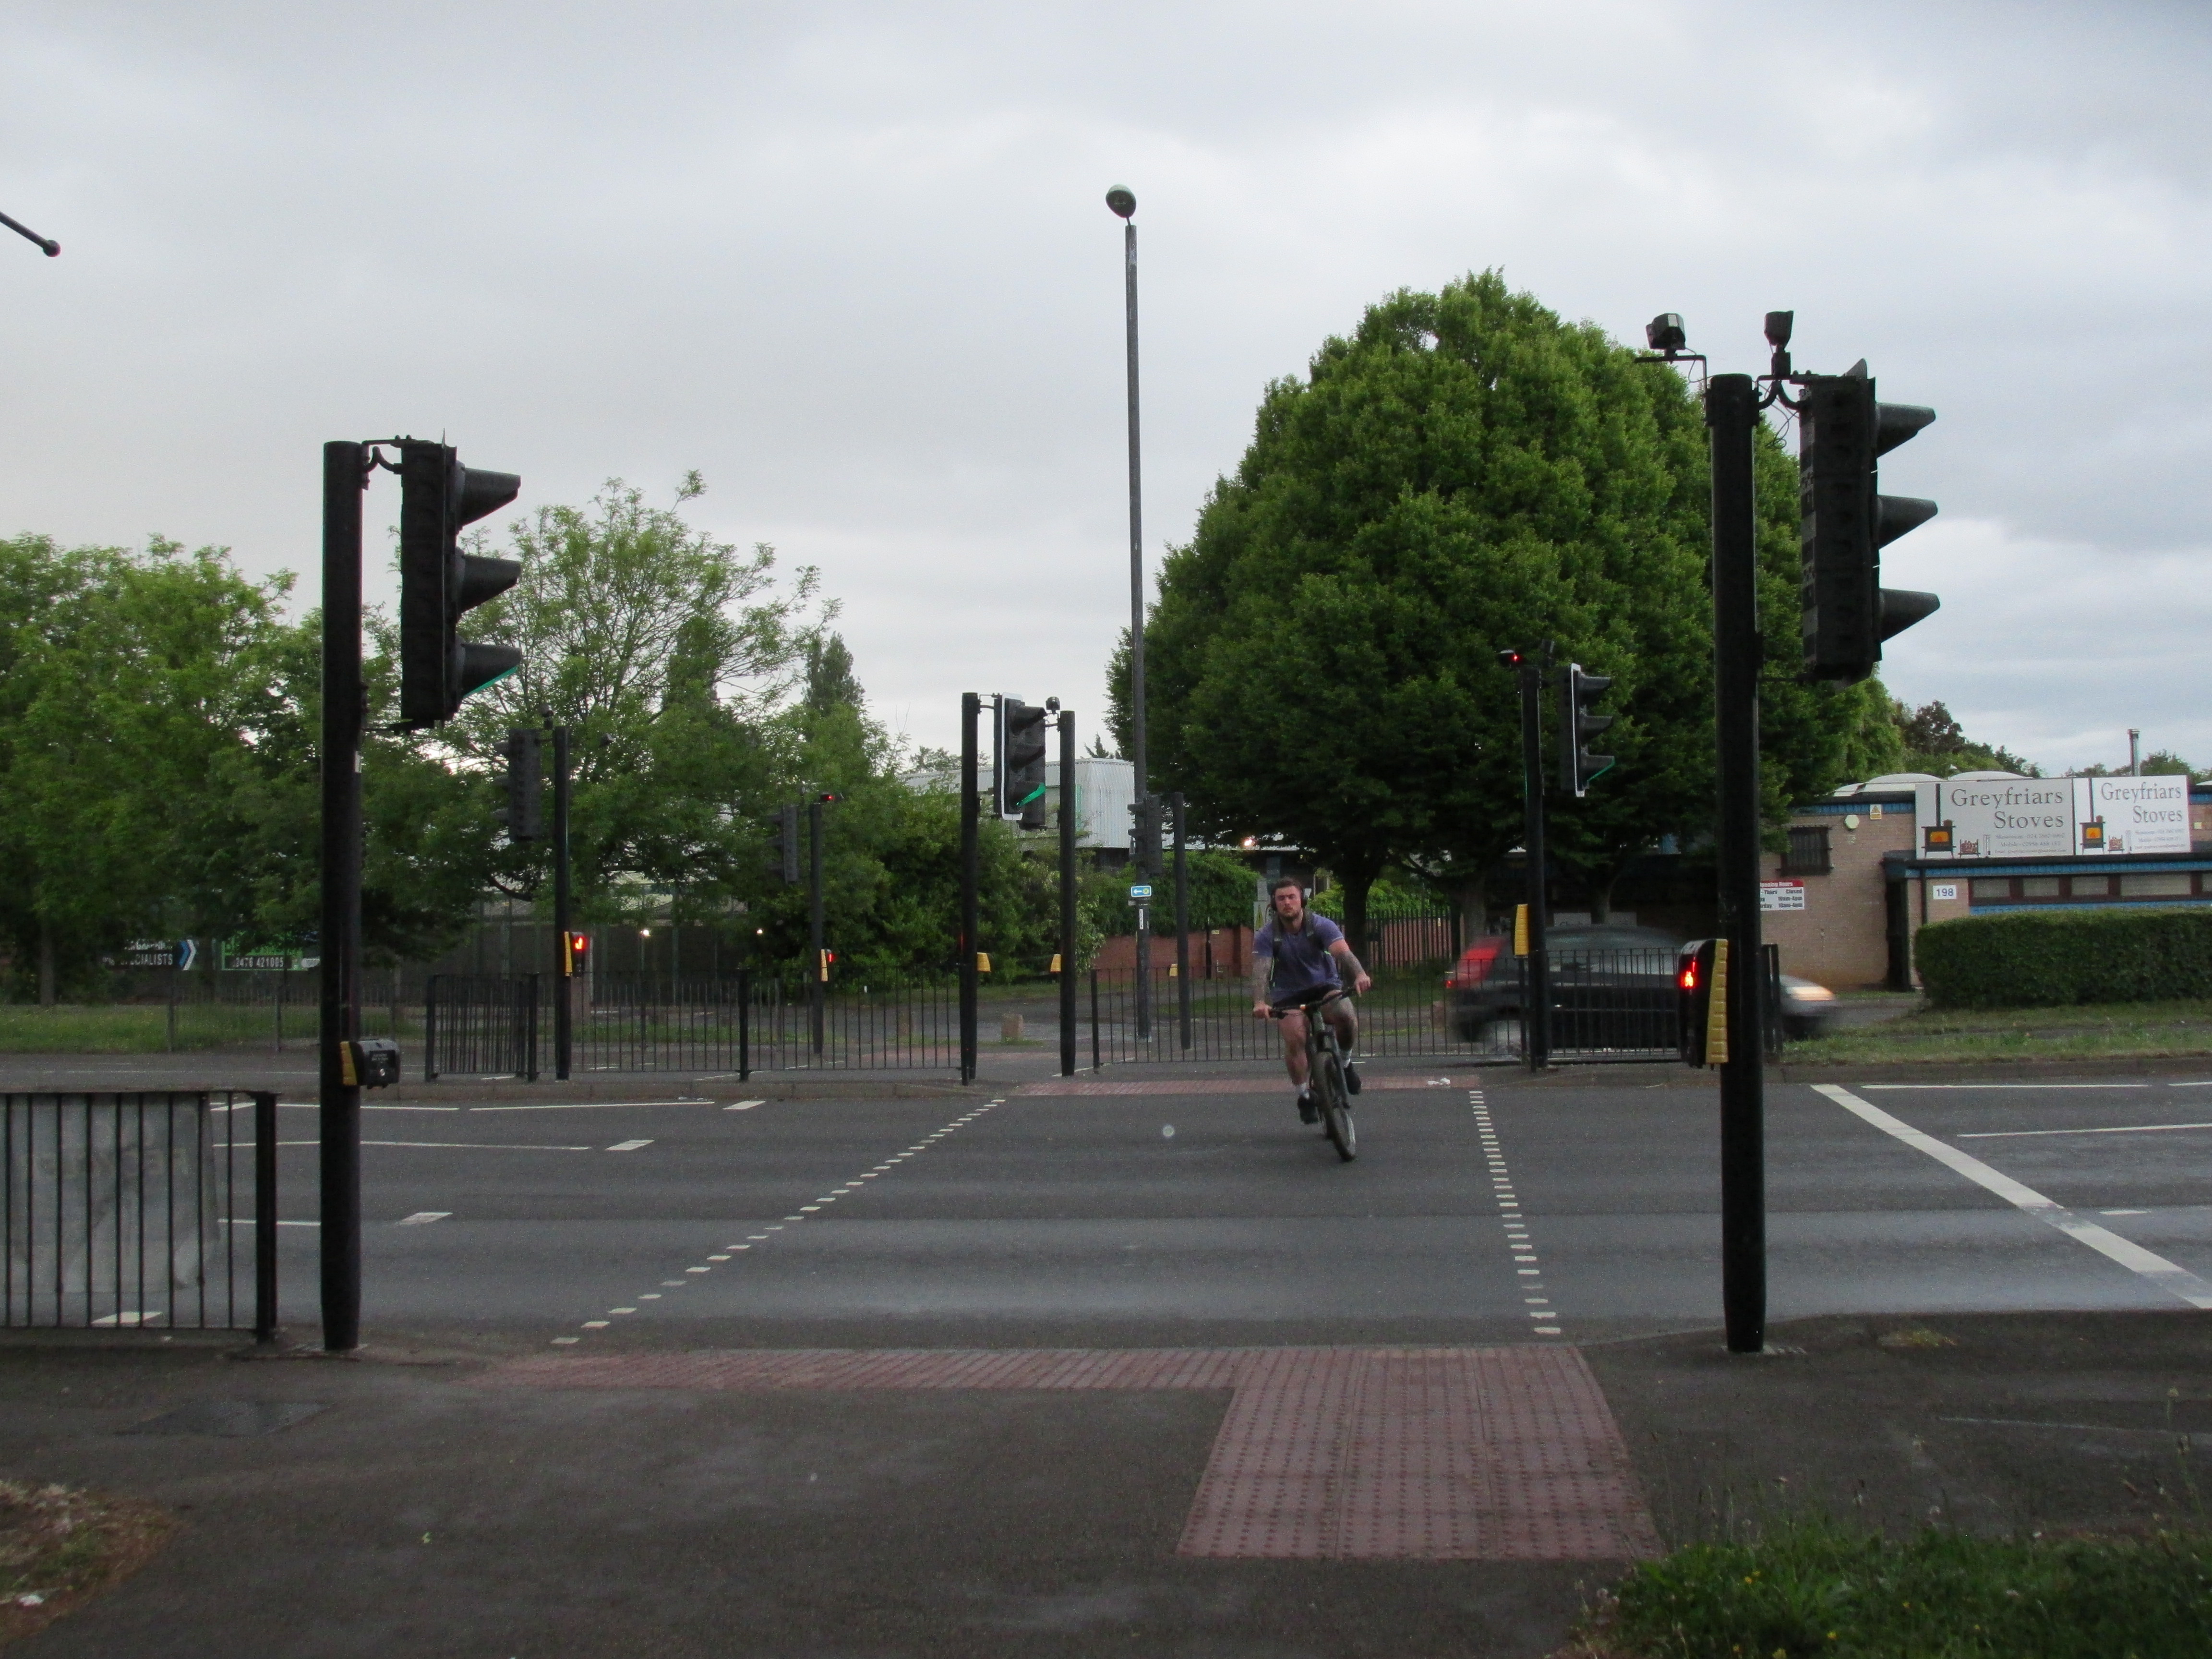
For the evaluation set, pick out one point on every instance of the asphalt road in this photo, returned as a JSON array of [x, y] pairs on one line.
[[1483, 1208]]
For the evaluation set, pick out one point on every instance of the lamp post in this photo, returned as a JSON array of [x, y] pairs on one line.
[[1145, 855]]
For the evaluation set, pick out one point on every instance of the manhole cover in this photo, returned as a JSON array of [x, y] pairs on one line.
[[228, 1416]]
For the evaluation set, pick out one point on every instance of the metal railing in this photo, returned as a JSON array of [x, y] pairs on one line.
[[125, 1211]]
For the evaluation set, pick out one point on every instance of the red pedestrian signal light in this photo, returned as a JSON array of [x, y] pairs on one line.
[[575, 949]]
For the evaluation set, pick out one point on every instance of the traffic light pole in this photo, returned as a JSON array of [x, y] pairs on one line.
[[1067, 823], [1182, 926], [1732, 413], [970, 705], [817, 985], [1538, 1014], [564, 1030], [345, 476]]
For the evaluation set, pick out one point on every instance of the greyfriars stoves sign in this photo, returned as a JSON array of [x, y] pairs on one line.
[[2052, 817]]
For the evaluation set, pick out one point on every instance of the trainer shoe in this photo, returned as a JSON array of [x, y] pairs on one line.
[[1351, 1079], [1308, 1112]]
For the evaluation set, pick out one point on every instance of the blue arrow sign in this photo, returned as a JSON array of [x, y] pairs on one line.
[[1141, 890], [188, 952]]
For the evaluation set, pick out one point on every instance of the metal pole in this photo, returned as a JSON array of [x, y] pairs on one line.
[[1182, 924], [265, 1217], [970, 853], [564, 1004], [817, 986], [1145, 863], [1732, 412], [345, 476], [1539, 978], [1068, 817], [1136, 528]]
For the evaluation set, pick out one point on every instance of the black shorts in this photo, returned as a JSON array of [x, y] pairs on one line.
[[1306, 998]]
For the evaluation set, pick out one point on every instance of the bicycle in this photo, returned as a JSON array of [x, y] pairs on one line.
[[1325, 1064]]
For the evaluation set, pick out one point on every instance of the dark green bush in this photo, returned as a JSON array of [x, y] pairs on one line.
[[2054, 959]]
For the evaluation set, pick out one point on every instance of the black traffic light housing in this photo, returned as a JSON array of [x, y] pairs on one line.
[[438, 582], [783, 845], [1696, 966], [524, 815], [1577, 765], [1021, 767], [1845, 611]]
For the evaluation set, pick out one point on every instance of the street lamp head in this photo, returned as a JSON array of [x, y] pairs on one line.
[[1122, 200], [1778, 325], [1665, 333]]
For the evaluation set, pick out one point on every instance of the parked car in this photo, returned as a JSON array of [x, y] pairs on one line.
[[1612, 987]]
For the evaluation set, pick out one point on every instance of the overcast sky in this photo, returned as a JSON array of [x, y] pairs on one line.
[[853, 263]]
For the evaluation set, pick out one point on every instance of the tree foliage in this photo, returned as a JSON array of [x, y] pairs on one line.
[[1466, 473]]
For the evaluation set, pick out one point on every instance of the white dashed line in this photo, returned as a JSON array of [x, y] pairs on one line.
[[1523, 1250], [419, 1218], [743, 1105], [804, 1210]]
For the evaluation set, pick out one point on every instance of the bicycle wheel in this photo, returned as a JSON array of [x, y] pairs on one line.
[[1335, 1106]]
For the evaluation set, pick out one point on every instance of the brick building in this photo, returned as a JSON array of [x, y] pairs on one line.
[[1858, 877]]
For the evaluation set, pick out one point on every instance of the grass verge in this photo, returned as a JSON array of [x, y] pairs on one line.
[[2119, 1030], [59, 1547], [1814, 1586]]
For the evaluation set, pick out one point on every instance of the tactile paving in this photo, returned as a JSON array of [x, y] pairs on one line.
[[1436, 1453]]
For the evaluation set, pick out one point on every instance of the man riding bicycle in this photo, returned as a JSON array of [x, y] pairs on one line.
[[1294, 965]]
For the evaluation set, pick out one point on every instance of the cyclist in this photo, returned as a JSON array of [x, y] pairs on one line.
[[1295, 959]]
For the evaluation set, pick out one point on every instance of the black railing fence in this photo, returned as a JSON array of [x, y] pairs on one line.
[[155, 1210], [1606, 1006]]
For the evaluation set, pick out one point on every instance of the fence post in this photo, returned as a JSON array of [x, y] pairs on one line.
[[430, 1028], [264, 1218], [744, 1024], [1094, 1019], [173, 998], [530, 1026]]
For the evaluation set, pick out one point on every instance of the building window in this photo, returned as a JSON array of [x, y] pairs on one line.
[[1983, 888], [2174, 885], [1807, 854], [2038, 887], [2091, 886]]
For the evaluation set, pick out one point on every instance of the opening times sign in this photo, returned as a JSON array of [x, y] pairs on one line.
[[2052, 817]]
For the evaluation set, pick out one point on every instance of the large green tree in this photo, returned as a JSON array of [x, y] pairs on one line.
[[1464, 473]]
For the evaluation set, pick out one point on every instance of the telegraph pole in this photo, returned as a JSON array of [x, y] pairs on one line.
[[1732, 406], [345, 476]]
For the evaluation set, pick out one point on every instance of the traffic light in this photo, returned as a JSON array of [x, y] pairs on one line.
[[575, 951], [1577, 765], [523, 815], [1021, 761], [1701, 989], [1846, 613], [438, 582], [783, 845]]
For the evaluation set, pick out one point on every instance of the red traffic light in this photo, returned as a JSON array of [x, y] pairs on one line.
[[574, 947]]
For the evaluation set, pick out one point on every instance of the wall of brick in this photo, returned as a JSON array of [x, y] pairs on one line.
[[1840, 939]]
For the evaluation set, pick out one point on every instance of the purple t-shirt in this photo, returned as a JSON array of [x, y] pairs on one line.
[[1302, 958]]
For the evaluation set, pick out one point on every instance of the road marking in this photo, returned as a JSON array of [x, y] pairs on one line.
[[2129, 1129], [582, 1105], [561, 1341], [743, 1105], [421, 1218], [2124, 1213], [461, 1146], [2000, 1085], [2176, 1281], [595, 1324], [777, 1226], [621, 1311], [248, 1221], [1518, 1241]]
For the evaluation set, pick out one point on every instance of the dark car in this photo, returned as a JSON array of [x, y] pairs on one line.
[[1805, 1009], [1612, 987]]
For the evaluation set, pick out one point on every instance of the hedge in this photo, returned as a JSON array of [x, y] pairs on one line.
[[2054, 959]]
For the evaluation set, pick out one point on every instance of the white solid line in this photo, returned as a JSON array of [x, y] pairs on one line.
[[461, 1146], [582, 1105], [2189, 1085], [2129, 1129], [2003, 1085], [421, 1218], [2176, 1281], [628, 1146]]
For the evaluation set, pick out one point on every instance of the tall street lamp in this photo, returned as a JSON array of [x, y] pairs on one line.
[[1145, 833]]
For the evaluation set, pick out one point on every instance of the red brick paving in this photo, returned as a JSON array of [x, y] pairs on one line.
[[1435, 1454]]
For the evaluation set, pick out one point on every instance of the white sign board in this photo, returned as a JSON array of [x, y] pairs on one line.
[[1782, 896], [2050, 817]]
